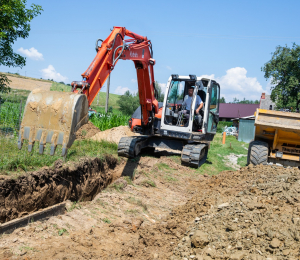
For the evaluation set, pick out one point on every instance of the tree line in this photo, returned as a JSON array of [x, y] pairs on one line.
[[237, 101]]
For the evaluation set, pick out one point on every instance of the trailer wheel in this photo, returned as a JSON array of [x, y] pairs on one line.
[[258, 153]]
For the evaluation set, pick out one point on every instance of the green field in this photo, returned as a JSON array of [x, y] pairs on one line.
[[98, 103]]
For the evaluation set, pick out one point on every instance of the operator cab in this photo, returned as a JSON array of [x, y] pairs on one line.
[[183, 96], [179, 103]]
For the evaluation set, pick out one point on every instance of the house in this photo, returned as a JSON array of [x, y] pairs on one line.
[[266, 102], [230, 111]]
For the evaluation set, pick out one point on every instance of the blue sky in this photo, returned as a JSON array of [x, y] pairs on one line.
[[226, 40]]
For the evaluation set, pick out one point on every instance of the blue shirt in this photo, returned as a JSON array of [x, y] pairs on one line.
[[188, 101]]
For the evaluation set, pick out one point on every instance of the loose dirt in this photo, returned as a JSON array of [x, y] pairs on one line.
[[114, 134], [171, 212], [28, 84], [87, 131]]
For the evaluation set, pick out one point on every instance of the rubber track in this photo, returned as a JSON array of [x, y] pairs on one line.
[[190, 155], [258, 153], [126, 146]]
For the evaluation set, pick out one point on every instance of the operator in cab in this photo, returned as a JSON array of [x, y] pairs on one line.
[[187, 102]]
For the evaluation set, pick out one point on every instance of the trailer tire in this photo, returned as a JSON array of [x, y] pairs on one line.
[[258, 153]]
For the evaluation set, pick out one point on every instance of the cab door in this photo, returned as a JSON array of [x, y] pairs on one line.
[[213, 107]]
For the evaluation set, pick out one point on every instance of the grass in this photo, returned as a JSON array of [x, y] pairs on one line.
[[75, 205], [60, 87], [117, 186], [149, 182], [215, 163], [132, 211], [137, 202], [108, 121], [26, 248], [11, 110], [16, 75], [106, 220], [15, 161], [99, 101], [62, 231]]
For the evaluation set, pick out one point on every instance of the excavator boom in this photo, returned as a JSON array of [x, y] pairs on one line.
[[54, 117]]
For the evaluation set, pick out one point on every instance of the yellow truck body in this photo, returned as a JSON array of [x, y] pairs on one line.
[[278, 134]]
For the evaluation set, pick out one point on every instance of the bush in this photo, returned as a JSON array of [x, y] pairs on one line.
[[129, 103], [221, 126]]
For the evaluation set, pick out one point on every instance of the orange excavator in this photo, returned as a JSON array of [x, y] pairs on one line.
[[54, 117]]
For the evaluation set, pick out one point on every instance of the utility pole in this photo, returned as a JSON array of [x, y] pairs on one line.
[[107, 94]]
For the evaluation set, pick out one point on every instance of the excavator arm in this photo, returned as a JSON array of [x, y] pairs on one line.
[[136, 48], [54, 117]]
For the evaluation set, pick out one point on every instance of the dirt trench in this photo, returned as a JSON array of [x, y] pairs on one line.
[[49, 186]]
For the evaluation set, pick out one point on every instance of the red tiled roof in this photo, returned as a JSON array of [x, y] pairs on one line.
[[237, 110]]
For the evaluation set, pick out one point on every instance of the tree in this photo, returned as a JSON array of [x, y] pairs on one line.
[[14, 23], [129, 102], [244, 101], [222, 100], [284, 71], [160, 95]]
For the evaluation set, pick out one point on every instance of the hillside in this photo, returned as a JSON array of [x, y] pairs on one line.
[[26, 83]]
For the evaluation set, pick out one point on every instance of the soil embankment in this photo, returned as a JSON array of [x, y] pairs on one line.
[[49, 186], [114, 135]]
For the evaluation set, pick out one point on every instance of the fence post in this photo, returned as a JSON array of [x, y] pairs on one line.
[[0, 107], [20, 113], [224, 137], [107, 94]]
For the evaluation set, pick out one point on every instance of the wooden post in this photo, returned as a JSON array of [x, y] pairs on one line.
[[20, 113], [107, 94], [224, 138]]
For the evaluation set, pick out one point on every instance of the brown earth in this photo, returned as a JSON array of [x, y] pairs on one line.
[[51, 185], [87, 131], [171, 212], [114, 134], [28, 84]]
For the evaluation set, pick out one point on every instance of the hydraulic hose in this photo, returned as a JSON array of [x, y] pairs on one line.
[[115, 40], [115, 59]]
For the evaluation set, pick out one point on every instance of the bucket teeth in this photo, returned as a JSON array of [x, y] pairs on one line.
[[20, 141], [30, 146], [41, 148], [52, 149], [64, 150]]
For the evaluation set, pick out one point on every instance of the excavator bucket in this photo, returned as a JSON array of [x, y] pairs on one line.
[[52, 117]]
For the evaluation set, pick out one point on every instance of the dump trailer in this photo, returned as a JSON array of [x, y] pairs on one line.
[[277, 138]]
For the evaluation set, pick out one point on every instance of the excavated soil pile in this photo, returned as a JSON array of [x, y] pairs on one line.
[[260, 222], [49, 186], [114, 134], [87, 131]]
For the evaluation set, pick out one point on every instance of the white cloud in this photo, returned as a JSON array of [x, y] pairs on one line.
[[51, 73], [32, 53], [133, 80], [169, 68], [236, 84], [163, 87], [121, 90]]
